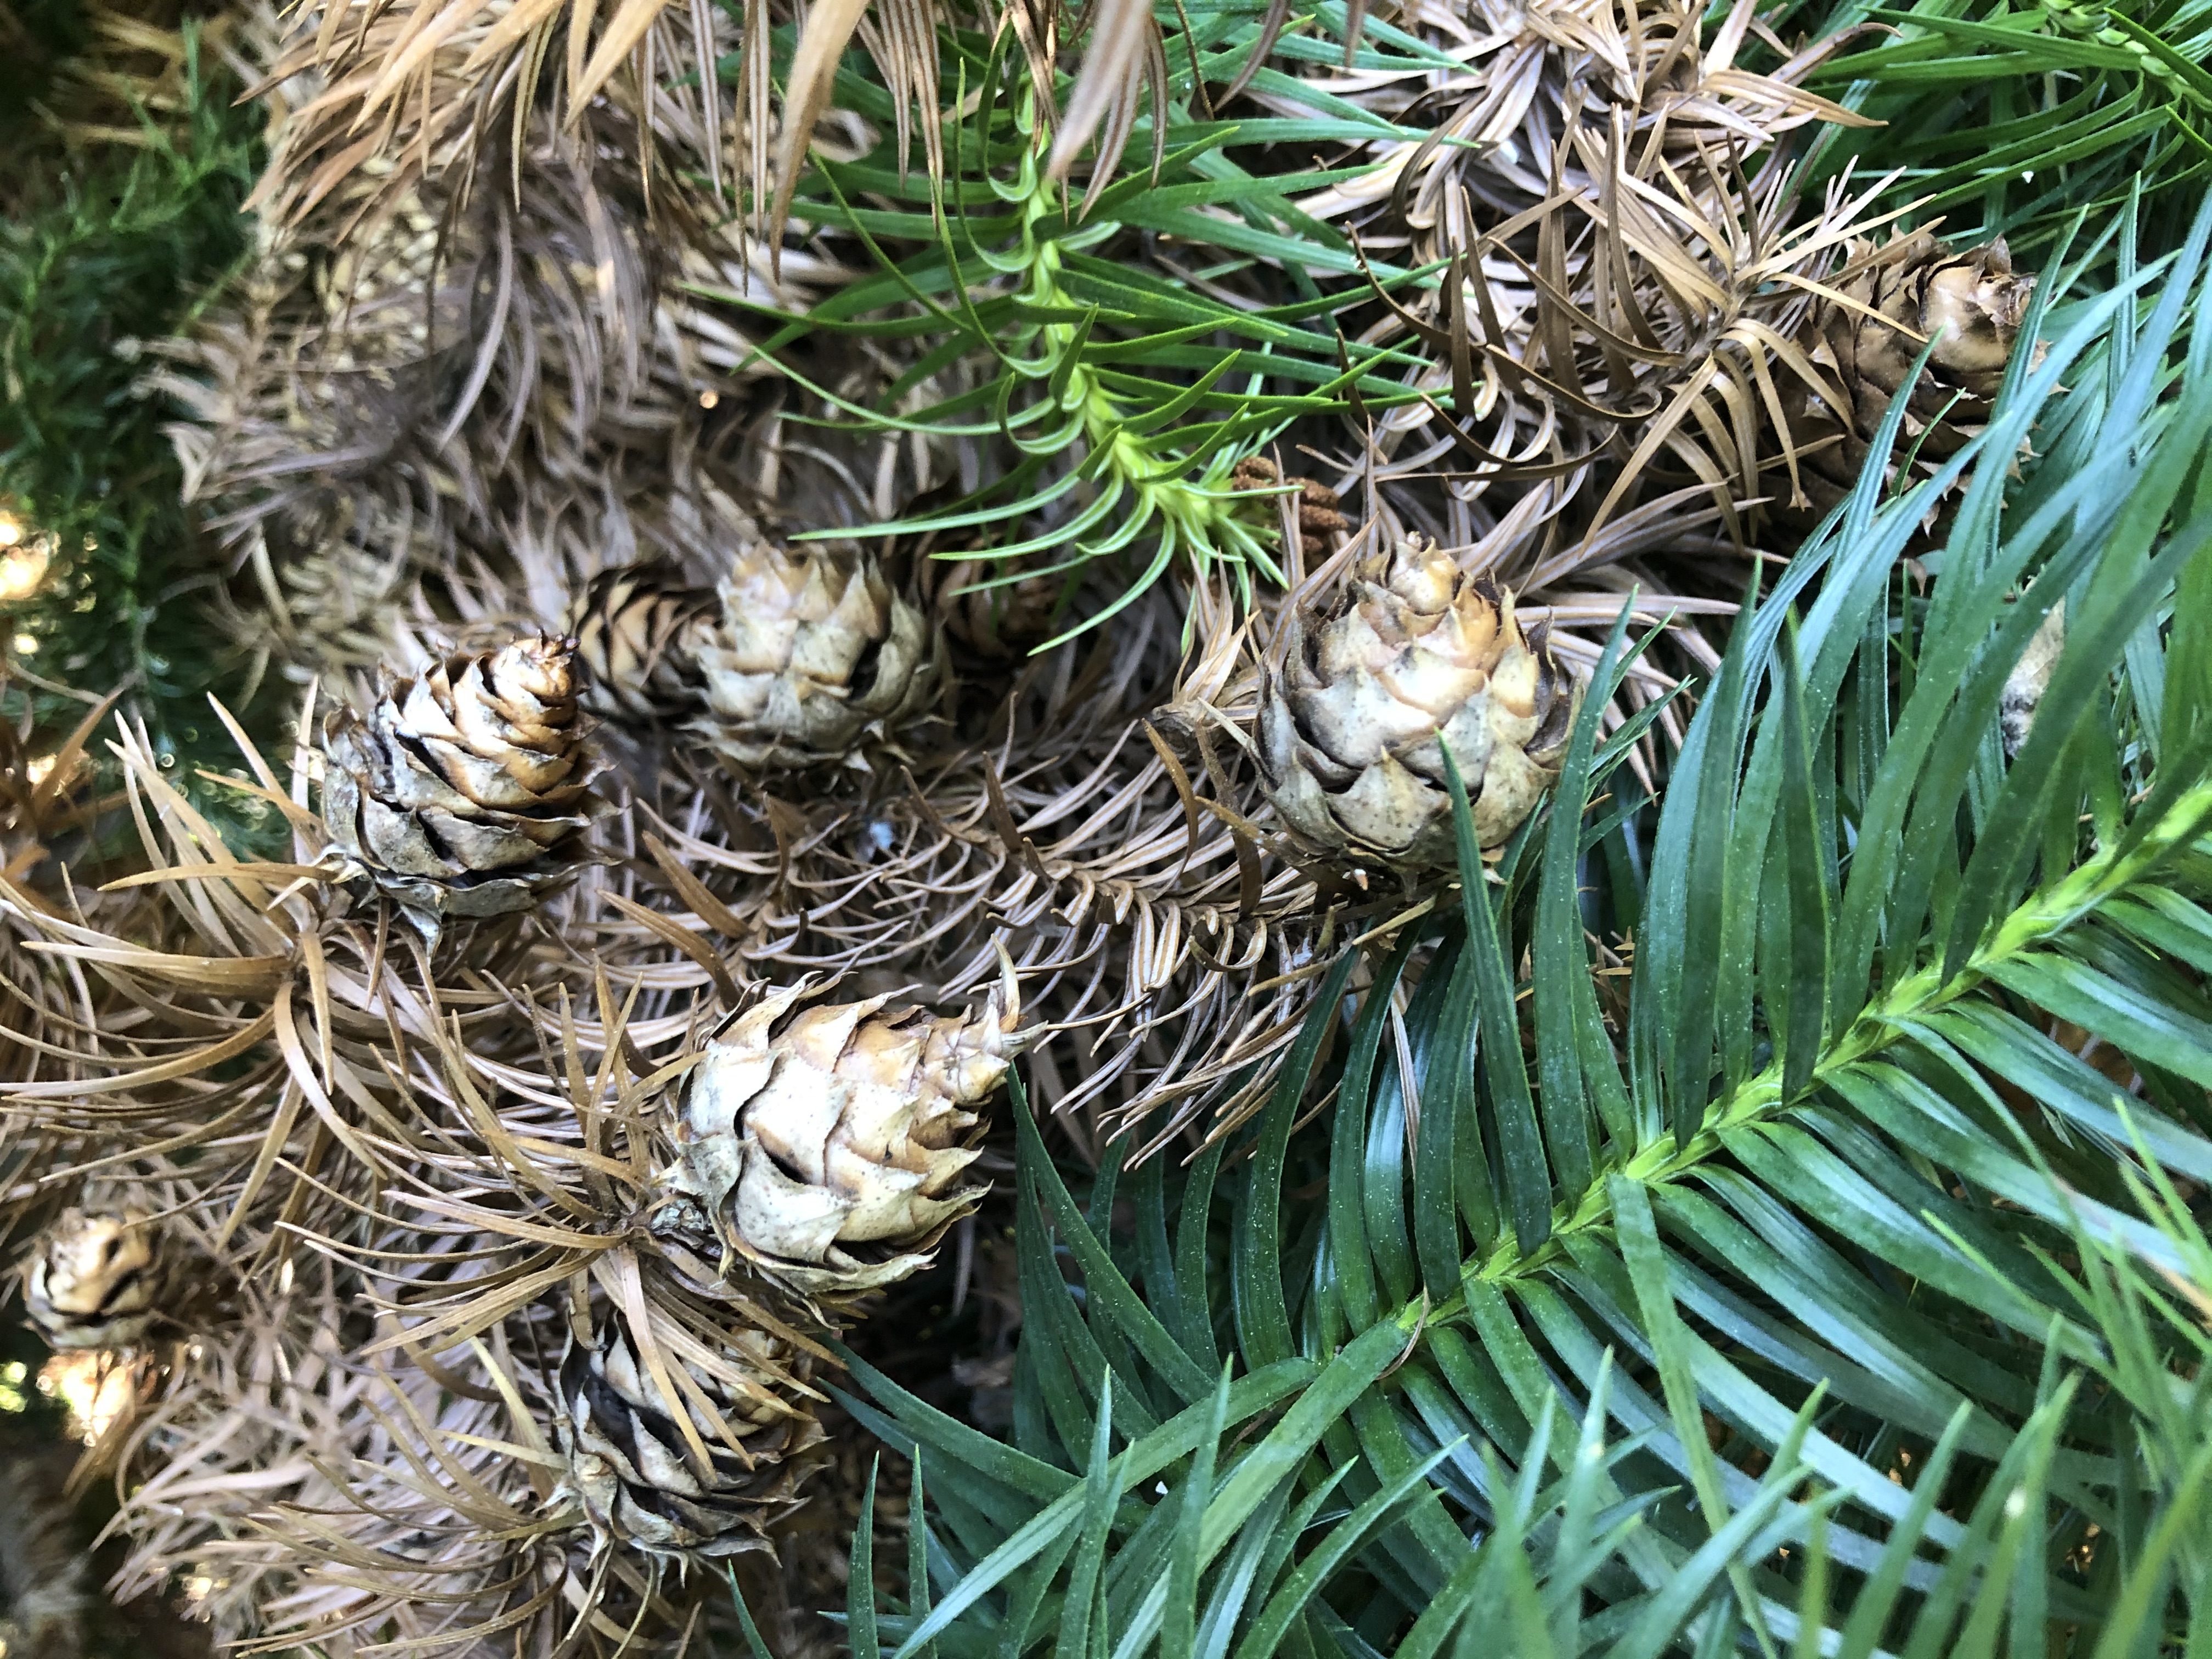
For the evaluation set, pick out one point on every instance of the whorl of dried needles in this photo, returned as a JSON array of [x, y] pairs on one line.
[[1521, 330], [309, 1490], [374, 412], [1545, 91]]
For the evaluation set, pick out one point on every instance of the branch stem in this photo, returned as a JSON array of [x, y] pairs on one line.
[[2105, 874]]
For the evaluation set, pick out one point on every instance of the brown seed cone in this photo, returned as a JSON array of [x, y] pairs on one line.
[[1320, 521], [1411, 653], [1915, 286], [385, 293], [813, 655], [639, 630], [637, 1473], [464, 792], [827, 1145], [99, 1278]]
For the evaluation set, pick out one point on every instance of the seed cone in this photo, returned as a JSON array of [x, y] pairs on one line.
[[637, 1473], [1915, 286], [1410, 653], [97, 1279], [827, 1144], [639, 630], [464, 792], [813, 655]]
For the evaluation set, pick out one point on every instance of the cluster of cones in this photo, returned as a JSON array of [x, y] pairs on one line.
[[459, 1292], [473, 1196]]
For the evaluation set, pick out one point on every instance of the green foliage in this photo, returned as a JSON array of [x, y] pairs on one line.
[[1112, 403], [2008, 119], [1806, 1290], [122, 253]]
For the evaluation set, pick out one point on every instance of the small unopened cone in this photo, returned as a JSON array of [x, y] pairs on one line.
[[2030, 679], [1904, 294], [639, 630], [638, 1476]]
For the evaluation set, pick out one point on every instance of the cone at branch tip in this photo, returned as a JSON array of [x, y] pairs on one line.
[[636, 1473], [99, 1278], [2030, 679], [639, 630], [1408, 651], [827, 1145], [465, 792], [812, 656], [1904, 293]]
